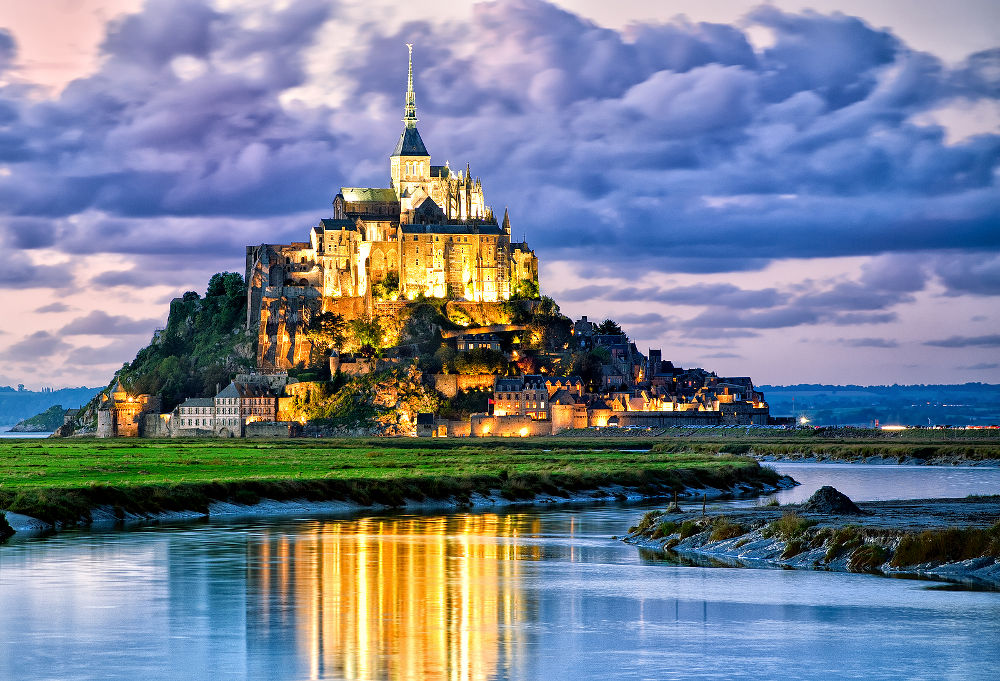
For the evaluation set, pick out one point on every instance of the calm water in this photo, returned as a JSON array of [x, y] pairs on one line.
[[5, 433], [544, 594]]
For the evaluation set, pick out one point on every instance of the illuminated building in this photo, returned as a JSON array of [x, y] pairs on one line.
[[429, 233]]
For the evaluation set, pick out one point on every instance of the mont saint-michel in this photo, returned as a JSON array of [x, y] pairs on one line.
[[429, 234], [576, 341], [409, 311]]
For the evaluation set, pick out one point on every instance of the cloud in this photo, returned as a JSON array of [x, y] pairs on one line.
[[18, 273], [869, 342], [982, 366], [8, 49], [36, 346], [100, 323], [53, 307], [115, 353], [723, 355], [970, 273], [988, 341]]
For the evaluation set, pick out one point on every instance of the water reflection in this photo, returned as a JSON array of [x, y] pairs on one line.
[[394, 598]]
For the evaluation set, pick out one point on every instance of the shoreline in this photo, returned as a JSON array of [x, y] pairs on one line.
[[111, 515], [923, 537], [943, 462]]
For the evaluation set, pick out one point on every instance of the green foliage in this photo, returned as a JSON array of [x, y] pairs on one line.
[[689, 528], [480, 361], [587, 365], [424, 324], [548, 332], [647, 520], [609, 327], [326, 331], [387, 288], [50, 419], [526, 289], [665, 529], [367, 335], [465, 403], [202, 345]]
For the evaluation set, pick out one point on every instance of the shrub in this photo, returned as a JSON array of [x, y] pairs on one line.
[[789, 526], [667, 527], [867, 558], [948, 545], [688, 528], [792, 548], [844, 539], [647, 521], [723, 528]]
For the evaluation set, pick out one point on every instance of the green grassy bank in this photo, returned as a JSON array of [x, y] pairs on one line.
[[62, 480]]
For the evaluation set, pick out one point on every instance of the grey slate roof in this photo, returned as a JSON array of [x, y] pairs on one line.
[[410, 144], [198, 402], [480, 228], [331, 224]]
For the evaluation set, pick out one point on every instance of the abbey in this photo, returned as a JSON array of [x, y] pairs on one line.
[[428, 234]]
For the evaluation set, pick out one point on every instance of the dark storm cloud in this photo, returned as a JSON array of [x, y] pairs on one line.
[[36, 346], [988, 341], [102, 324]]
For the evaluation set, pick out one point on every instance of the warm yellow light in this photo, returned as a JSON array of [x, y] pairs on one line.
[[893, 427], [524, 432], [803, 420]]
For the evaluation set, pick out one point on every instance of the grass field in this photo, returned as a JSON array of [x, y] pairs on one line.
[[60, 480]]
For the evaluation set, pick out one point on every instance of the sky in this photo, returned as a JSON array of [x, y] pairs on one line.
[[801, 192]]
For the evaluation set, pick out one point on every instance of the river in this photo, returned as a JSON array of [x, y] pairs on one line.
[[520, 594]]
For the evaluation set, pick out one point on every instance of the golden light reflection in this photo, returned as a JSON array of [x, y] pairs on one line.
[[399, 598]]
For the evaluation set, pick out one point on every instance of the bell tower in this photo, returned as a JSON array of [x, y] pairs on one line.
[[410, 164]]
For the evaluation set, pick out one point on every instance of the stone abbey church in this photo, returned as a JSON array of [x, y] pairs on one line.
[[428, 234]]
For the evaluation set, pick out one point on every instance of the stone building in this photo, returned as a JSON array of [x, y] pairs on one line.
[[121, 415], [429, 233], [228, 413]]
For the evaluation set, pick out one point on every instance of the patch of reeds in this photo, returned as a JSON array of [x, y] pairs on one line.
[[946, 545]]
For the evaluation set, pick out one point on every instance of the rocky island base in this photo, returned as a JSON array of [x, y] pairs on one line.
[[949, 539]]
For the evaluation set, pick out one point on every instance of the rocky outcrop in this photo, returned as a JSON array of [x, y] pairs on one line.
[[828, 500], [951, 539]]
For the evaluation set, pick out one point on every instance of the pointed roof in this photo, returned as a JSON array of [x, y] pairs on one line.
[[410, 144]]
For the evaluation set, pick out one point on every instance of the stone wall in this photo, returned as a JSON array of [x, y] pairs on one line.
[[450, 384], [272, 429], [508, 426]]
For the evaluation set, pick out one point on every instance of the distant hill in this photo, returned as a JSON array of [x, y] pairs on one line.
[[17, 405], [973, 404]]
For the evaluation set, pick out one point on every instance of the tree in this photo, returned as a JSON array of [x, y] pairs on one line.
[[326, 331], [525, 289], [587, 365], [367, 335], [388, 288], [609, 327]]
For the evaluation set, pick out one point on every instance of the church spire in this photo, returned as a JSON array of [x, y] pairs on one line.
[[410, 110]]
